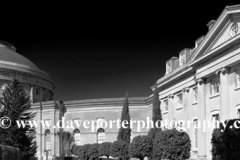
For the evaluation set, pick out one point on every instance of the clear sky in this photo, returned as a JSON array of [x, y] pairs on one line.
[[102, 52]]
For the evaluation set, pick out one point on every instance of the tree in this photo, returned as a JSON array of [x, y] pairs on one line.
[[171, 144], [104, 149], [156, 115], [16, 106], [93, 151], [67, 140], [140, 147], [119, 150], [125, 133]]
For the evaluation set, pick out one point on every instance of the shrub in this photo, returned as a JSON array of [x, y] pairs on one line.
[[171, 144], [226, 142], [140, 147], [84, 152], [9, 153], [76, 150], [104, 149], [119, 150], [93, 151]]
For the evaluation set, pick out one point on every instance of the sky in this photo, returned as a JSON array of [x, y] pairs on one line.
[[101, 51]]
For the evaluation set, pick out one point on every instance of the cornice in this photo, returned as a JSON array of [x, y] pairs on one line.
[[174, 78], [37, 80], [103, 100]]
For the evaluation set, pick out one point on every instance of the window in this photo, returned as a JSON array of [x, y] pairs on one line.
[[169, 67], [238, 77], [77, 137], [180, 126], [47, 94], [215, 83], [165, 104], [48, 140], [37, 91], [100, 135], [195, 93], [182, 59], [1, 105], [234, 29], [180, 100], [195, 133], [3, 86], [238, 113], [131, 137], [215, 120]]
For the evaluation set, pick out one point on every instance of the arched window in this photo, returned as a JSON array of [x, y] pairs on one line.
[[47, 140], [77, 137], [100, 135]]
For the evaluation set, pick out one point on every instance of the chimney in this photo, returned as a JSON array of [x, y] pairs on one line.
[[199, 41], [170, 64], [211, 24]]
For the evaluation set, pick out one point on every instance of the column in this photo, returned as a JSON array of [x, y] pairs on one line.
[[57, 143], [40, 148], [201, 117], [224, 95], [171, 108], [185, 92], [31, 93]]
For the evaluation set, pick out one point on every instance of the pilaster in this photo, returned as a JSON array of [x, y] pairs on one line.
[[40, 134], [171, 107], [201, 117], [185, 92], [31, 93], [224, 94]]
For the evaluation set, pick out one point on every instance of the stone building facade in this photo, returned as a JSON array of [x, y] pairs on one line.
[[202, 84]]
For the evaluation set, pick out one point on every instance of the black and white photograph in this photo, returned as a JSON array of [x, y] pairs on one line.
[[123, 81]]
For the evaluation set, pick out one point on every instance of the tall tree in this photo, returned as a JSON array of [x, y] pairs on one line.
[[125, 132], [156, 114], [16, 106]]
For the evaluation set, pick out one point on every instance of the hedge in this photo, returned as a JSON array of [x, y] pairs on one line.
[[76, 150], [93, 151], [140, 147], [226, 142], [171, 144], [104, 149], [9, 153], [119, 150], [84, 151]]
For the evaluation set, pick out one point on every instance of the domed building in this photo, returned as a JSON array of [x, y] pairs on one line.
[[202, 84], [13, 65]]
